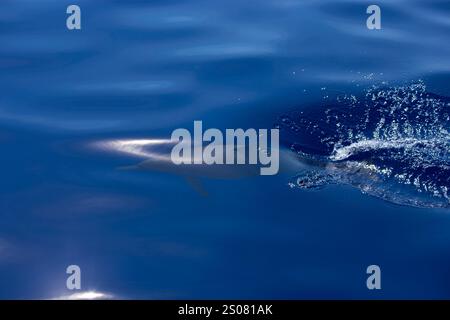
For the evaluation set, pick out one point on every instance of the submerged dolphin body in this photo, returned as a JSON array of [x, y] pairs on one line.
[[156, 155], [392, 143]]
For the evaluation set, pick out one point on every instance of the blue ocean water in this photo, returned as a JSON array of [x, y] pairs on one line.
[[369, 109]]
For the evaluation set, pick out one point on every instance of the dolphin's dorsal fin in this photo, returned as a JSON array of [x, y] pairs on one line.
[[197, 185]]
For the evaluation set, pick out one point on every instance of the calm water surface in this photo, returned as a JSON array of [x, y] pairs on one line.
[[140, 69]]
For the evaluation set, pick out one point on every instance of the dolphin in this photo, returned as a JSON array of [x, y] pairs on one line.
[[156, 157], [304, 171]]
